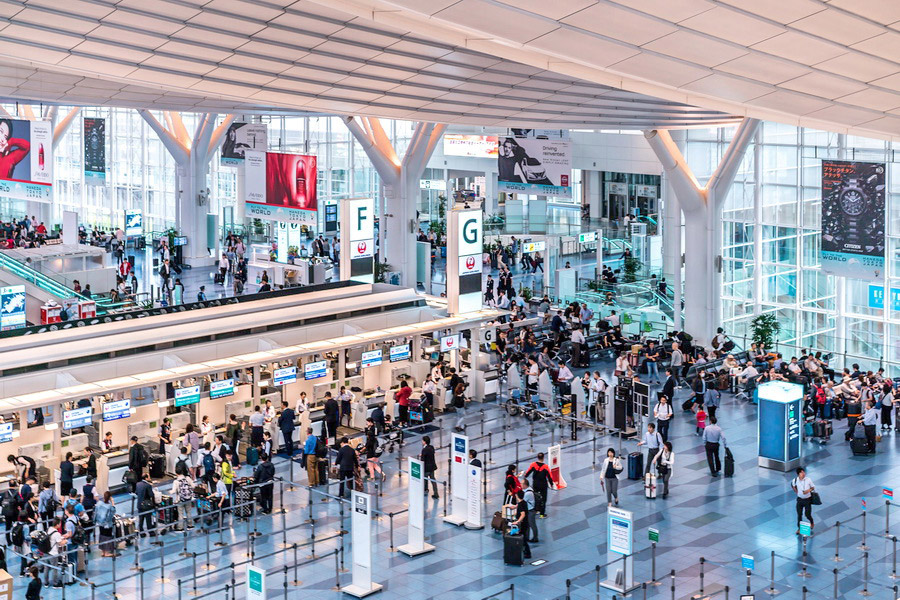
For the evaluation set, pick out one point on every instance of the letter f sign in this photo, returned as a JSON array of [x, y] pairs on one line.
[[360, 217]]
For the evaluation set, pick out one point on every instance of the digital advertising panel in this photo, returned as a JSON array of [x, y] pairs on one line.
[[94, 151], [187, 395], [314, 370], [535, 166], [79, 417], [478, 146], [243, 137], [280, 187], [222, 388], [449, 342], [134, 222], [26, 159], [284, 376], [118, 409], [853, 219], [371, 359], [6, 432], [12, 307]]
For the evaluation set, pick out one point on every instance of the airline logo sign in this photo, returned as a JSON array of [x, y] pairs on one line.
[[469, 265], [362, 249]]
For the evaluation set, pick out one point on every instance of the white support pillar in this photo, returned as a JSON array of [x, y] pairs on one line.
[[400, 180], [702, 207], [192, 156], [672, 250]]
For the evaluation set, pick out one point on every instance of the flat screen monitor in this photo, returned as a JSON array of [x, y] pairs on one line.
[[400, 352], [187, 395], [222, 388], [119, 409], [314, 370], [285, 376], [79, 417]]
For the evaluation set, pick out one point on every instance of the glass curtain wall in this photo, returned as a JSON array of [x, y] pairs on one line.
[[771, 238], [142, 174]]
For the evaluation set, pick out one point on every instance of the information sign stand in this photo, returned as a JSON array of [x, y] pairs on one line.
[[416, 525]]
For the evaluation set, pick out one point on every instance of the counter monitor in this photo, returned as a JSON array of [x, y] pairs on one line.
[[119, 409], [225, 387], [6, 432], [314, 370], [371, 359], [285, 375], [187, 395], [79, 417], [399, 352]]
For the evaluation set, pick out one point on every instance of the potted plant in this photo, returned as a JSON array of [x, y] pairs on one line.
[[632, 266], [764, 328], [381, 270]]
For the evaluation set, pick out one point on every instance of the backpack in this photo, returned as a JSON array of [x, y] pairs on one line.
[[181, 467], [185, 490], [10, 505], [321, 448], [209, 464], [18, 534], [78, 537], [51, 505]]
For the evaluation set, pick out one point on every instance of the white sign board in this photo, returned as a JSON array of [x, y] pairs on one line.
[[361, 546], [473, 503], [459, 497], [358, 239], [256, 583], [464, 285], [416, 524], [620, 530]]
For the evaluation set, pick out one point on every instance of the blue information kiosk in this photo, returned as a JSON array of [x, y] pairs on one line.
[[778, 427]]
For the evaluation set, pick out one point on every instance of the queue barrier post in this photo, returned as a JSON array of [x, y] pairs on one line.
[[490, 456], [285, 584], [517, 451], [896, 591], [221, 543], [184, 530], [531, 434], [894, 557], [312, 539], [865, 591], [162, 567], [771, 591], [727, 590], [835, 593], [391, 518], [114, 571], [702, 564], [568, 589], [597, 580], [137, 547], [337, 572], [672, 584], [444, 484], [653, 564], [296, 581], [887, 518], [837, 542], [862, 546], [803, 572], [194, 579], [140, 576], [482, 422], [291, 486]]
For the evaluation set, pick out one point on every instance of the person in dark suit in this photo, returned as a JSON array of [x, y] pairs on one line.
[[66, 475], [429, 464], [34, 586], [146, 502], [137, 459], [668, 389], [286, 425], [347, 462], [91, 464], [332, 415]]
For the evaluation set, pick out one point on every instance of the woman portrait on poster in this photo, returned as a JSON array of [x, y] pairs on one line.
[[12, 150]]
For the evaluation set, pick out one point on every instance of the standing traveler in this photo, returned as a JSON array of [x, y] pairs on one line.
[[887, 407], [265, 478], [531, 501], [192, 442], [34, 586], [401, 397], [312, 461], [90, 465], [511, 485], [257, 426], [234, 431], [137, 460], [652, 358], [520, 507], [665, 461], [459, 403], [804, 488], [48, 502], [165, 435], [228, 473], [870, 420], [712, 437], [540, 475], [104, 518], [183, 493], [429, 465], [662, 412], [347, 463], [473, 458], [670, 384], [24, 466], [207, 431], [146, 503], [372, 462], [346, 398], [332, 416], [66, 475], [286, 425], [654, 441]]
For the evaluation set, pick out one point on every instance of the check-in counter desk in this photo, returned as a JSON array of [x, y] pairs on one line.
[[111, 467]]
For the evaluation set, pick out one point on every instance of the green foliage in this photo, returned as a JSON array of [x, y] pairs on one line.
[[381, 270], [764, 329], [632, 266]]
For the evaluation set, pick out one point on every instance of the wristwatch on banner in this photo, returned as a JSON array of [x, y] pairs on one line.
[[854, 203]]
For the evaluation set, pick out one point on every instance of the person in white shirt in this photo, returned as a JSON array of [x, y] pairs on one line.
[[654, 441], [207, 431], [346, 398], [578, 346], [502, 301], [748, 373], [613, 320], [598, 389], [804, 488], [565, 374], [623, 367], [429, 388], [610, 469], [662, 412], [871, 420], [533, 373], [301, 404], [665, 462]]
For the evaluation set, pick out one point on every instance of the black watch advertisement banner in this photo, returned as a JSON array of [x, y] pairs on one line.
[[853, 219], [94, 151]]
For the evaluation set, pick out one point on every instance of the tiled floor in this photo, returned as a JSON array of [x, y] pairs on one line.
[[718, 519]]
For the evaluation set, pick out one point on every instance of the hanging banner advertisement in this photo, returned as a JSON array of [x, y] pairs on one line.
[[280, 187], [853, 219], [546, 134], [535, 166], [358, 239], [134, 222], [26, 160], [12, 307], [459, 484], [242, 137], [94, 151], [478, 146]]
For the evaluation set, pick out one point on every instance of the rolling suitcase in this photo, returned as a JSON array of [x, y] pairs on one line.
[[809, 429], [729, 463], [243, 503], [687, 404], [81, 564], [635, 466], [498, 523], [166, 513], [859, 446], [513, 549], [650, 486], [252, 456], [157, 466], [323, 470]]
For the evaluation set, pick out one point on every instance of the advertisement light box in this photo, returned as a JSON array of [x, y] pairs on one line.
[[400, 352], [314, 370], [285, 375], [116, 410], [225, 387], [187, 395], [371, 359], [6, 432], [79, 417], [449, 342]]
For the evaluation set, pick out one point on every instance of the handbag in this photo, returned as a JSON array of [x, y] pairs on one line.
[[815, 499], [662, 469]]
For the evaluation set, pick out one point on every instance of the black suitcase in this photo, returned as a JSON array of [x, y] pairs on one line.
[[219, 279], [729, 463], [636, 465], [686, 405], [323, 470], [513, 549], [166, 512], [157, 466], [859, 446], [822, 428]]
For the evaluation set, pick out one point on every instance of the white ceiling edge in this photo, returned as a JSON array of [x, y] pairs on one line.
[[383, 11]]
